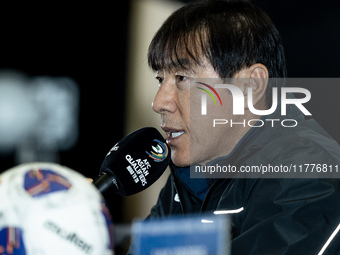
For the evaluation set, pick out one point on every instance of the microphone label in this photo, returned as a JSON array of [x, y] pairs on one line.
[[114, 148], [138, 169]]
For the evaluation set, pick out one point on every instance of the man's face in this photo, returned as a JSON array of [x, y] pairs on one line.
[[183, 130]]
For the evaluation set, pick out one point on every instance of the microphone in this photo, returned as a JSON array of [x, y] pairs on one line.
[[134, 163]]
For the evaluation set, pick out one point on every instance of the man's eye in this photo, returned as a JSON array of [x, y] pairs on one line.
[[160, 80], [180, 78]]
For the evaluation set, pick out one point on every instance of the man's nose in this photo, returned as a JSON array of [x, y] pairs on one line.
[[165, 99]]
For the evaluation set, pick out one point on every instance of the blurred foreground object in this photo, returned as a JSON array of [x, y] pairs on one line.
[[195, 234], [49, 209]]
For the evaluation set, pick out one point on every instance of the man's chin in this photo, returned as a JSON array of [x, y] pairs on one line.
[[180, 162], [181, 166]]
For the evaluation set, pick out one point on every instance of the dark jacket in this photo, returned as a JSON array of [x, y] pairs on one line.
[[280, 215]]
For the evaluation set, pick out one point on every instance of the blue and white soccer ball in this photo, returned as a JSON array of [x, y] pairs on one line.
[[48, 209]]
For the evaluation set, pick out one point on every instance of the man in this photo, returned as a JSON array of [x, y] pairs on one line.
[[218, 42]]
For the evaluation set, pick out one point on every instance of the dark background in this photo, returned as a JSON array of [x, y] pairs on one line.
[[311, 35], [89, 44]]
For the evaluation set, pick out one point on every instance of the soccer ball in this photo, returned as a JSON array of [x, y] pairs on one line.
[[48, 209]]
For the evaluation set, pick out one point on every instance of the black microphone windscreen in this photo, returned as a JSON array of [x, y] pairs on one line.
[[137, 161]]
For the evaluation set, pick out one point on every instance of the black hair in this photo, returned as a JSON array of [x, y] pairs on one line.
[[231, 35]]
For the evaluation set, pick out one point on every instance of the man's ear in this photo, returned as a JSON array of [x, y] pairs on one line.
[[258, 82], [255, 78]]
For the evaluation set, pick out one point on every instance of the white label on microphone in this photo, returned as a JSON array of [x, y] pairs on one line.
[[138, 169], [114, 148]]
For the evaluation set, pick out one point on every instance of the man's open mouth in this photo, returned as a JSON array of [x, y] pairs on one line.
[[176, 134]]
